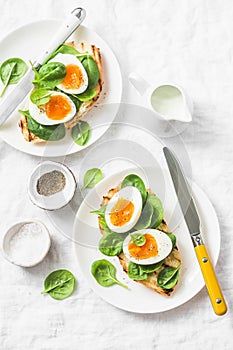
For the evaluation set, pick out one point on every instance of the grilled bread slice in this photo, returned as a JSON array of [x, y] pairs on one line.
[[172, 260], [85, 106]]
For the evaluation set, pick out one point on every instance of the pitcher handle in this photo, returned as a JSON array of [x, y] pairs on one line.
[[140, 84]]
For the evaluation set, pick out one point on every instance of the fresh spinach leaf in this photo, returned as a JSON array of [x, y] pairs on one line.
[[100, 211], [136, 181], [173, 239], [158, 211], [152, 267], [59, 284], [67, 49], [104, 225], [111, 244], [40, 96], [152, 213], [135, 272], [87, 95], [44, 132], [105, 273], [50, 75], [168, 277], [81, 133], [92, 177], [145, 217], [76, 101], [138, 239], [62, 49], [92, 71], [11, 71]]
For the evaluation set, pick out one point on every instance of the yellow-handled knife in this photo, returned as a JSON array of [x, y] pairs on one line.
[[192, 220]]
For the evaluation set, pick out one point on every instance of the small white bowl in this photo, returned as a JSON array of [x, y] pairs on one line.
[[57, 200], [29, 247]]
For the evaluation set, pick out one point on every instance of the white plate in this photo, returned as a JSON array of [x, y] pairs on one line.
[[138, 298], [26, 42]]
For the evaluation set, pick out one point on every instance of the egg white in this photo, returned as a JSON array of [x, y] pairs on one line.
[[164, 244], [39, 114], [131, 194], [68, 59]]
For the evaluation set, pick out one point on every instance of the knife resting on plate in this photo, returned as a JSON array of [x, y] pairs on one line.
[[192, 220], [12, 100]]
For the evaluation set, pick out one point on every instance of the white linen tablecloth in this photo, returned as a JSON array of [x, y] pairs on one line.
[[185, 42]]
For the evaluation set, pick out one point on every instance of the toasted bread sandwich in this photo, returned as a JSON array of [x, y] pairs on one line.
[[85, 106], [173, 260]]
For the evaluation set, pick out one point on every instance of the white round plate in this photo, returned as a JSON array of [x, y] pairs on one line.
[[138, 298], [26, 42]]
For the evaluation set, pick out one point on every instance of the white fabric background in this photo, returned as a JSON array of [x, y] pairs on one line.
[[187, 42]]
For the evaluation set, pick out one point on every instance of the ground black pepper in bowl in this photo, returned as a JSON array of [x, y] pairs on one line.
[[51, 183]]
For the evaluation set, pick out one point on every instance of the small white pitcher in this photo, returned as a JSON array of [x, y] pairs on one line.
[[172, 107]]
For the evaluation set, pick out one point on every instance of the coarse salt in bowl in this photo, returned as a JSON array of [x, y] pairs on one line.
[[26, 243]]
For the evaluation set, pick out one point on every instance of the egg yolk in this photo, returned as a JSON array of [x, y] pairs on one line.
[[74, 77], [148, 250], [121, 212], [57, 108]]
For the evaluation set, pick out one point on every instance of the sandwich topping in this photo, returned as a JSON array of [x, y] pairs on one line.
[[74, 77], [131, 220], [58, 107], [121, 212], [147, 250], [65, 81]]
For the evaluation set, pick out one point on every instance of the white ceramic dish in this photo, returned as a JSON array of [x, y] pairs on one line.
[[138, 298], [26, 42], [38, 249], [57, 200]]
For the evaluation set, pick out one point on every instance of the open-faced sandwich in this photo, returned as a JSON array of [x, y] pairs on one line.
[[131, 220], [66, 87]]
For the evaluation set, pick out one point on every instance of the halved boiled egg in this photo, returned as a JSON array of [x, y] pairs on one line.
[[59, 109], [124, 209], [156, 248], [76, 79]]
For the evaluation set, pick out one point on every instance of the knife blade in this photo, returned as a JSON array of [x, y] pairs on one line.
[[22, 89], [192, 220]]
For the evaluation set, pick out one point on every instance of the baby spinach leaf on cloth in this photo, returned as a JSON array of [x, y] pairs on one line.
[[11, 71], [152, 267], [105, 273], [138, 239], [135, 272], [168, 277], [172, 238], [111, 244], [92, 71], [81, 133], [92, 177], [45, 132], [40, 96], [59, 284], [136, 181], [50, 75]]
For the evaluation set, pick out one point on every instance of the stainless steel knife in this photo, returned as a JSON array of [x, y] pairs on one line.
[[11, 101], [192, 220]]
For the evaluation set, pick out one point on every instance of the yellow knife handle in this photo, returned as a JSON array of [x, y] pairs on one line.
[[214, 290]]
